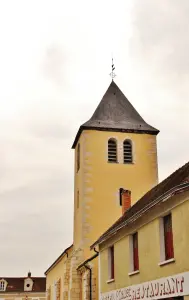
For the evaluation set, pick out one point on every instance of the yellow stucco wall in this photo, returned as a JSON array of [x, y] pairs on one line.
[[56, 273], [149, 247], [98, 181]]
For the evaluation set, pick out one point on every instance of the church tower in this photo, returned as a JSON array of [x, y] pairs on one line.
[[114, 150]]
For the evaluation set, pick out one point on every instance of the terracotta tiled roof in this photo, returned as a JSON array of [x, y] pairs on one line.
[[116, 113], [16, 284], [58, 259], [168, 186]]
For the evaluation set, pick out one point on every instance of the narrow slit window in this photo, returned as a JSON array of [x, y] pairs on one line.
[[168, 237], [127, 152], [77, 199], [120, 196], [78, 157], [112, 151]]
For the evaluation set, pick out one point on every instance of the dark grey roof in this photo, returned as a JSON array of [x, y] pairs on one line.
[[116, 113]]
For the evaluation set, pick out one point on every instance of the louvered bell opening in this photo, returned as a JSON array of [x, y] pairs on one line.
[[112, 151], [127, 152]]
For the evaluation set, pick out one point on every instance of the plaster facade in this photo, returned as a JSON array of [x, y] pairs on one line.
[[151, 266], [97, 184]]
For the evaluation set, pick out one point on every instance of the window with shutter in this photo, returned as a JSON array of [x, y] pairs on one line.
[[112, 151], [168, 237], [127, 152], [135, 252]]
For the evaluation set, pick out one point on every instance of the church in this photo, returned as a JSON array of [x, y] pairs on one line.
[[115, 151]]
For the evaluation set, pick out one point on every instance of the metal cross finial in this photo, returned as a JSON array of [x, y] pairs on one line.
[[112, 74]]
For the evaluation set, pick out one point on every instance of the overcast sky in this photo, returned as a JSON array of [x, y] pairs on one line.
[[55, 60]]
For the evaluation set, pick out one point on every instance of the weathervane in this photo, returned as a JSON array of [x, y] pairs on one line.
[[112, 74]]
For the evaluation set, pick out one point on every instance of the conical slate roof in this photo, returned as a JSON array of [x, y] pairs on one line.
[[116, 113]]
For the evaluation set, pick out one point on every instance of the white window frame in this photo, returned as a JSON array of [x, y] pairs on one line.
[[3, 285]]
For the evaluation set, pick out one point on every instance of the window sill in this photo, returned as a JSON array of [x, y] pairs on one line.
[[166, 262], [110, 280], [133, 273]]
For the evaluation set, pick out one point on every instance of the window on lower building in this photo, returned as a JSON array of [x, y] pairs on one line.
[[111, 262], [168, 237], [135, 252], [3, 285]]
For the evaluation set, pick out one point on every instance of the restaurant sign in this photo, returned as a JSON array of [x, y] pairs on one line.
[[168, 287]]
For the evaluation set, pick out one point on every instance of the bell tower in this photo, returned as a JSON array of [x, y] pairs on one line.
[[114, 150]]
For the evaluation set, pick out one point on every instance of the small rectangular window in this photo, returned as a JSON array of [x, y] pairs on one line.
[[120, 196], [135, 252], [168, 237], [78, 157], [77, 199], [111, 262]]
